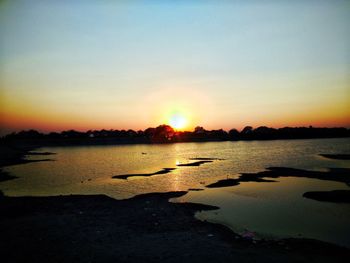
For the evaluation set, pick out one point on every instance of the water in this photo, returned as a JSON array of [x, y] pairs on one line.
[[270, 209]]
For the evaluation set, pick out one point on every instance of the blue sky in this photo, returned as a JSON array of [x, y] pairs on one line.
[[223, 63]]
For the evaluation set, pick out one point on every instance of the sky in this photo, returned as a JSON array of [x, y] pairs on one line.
[[137, 64]]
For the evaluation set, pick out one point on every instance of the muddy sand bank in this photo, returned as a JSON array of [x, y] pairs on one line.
[[146, 228]]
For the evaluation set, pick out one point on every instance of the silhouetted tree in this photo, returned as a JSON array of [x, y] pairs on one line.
[[219, 135], [149, 133], [233, 134], [264, 132], [199, 130], [247, 130], [163, 133]]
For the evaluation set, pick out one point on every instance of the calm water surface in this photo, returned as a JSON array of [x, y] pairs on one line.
[[269, 209]]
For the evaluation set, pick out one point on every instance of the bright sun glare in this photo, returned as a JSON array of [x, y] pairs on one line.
[[177, 121]]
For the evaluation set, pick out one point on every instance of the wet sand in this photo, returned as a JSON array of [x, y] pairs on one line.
[[146, 228]]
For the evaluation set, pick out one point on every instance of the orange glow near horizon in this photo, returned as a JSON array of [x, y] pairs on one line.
[[184, 109], [178, 120]]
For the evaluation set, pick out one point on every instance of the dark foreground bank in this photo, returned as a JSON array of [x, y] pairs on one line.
[[146, 228]]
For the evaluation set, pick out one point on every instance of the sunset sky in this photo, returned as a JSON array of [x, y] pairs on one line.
[[137, 64]]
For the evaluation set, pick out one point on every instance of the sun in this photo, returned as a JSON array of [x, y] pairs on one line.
[[178, 121]]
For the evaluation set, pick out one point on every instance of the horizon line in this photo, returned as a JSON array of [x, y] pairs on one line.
[[176, 130]]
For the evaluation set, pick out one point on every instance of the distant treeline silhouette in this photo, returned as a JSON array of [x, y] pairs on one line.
[[166, 134]]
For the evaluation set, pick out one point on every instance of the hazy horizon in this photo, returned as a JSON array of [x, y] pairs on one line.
[[132, 65]]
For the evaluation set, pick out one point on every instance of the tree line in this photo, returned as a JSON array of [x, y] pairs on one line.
[[166, 134]]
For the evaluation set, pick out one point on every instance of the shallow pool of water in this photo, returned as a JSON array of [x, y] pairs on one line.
[[270, 209]]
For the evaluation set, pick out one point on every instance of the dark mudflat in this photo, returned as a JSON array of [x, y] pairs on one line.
[[126, 176], [40, 153], [337, 156], [195, 189], [5, 176], [205, 159], [35, 161], [224, 183], [333, 174], [13, 155], [10, 155], [146, 228], [233, 182], [336, 196], [194, 163]]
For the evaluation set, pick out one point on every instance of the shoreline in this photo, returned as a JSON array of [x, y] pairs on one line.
[[98, 228], [146, 227], [14, 155], [332, 174]]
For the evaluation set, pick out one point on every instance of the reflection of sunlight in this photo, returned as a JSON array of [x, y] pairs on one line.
[[175, 178], [175, 182]]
